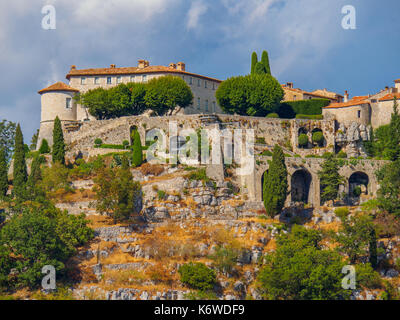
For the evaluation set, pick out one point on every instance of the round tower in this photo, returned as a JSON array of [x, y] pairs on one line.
[[56, 100]]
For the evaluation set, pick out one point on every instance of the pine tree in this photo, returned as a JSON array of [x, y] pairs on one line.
[[275, 188], [254, 61], [3, 173], [330, 179], [265, 62], [137, 157], [58, 142], [20, 174]]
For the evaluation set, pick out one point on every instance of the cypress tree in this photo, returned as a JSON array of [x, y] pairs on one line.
[[35, 177], [254, 61], [137, 157], [373, 251], [330, 179], [3, 173], [275, 188], [20, 174], [58, 142], [259, 69], [265, 62], [44, 147]]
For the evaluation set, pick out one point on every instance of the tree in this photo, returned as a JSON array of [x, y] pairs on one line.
[[98, 102], [300, 269], [138, 92], [35, 178], [137, 153], [117, 195], [58, 142], [3, 173], [34, 140], [389, 191], [252, 95], [164, 94], [198, 276], [330, 179], [254, 61], [275, 186], [20, 175], [265, 62], [44, 147], [7, 137], [120, 98]]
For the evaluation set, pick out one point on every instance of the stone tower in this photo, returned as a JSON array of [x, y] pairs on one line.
[[56, 100]]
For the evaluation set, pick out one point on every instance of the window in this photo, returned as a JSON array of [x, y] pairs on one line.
[[68, 103], [198, 103], [359, 113], [206, 105], [83, 81], [198, 82], [214, 107], [205, 84], [119, 80], [294, 97], [190, 80], [109, 80], [96, 80], [144, 78]]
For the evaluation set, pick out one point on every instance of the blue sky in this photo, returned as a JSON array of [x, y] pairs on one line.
[[305, 40]]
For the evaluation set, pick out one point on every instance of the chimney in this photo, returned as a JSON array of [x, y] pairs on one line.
[[289, 85], [172, 65], [112, 66], [397, 85], [143, 64], [181, 66], [346, 96], [73, 67]]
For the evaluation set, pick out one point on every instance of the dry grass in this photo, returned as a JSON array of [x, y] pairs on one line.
[[151, 169]]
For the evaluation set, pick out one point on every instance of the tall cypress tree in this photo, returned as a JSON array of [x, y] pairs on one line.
[[330, 179], [137, 157], [20, 174], [259, 69], [373, 251], [275, 188], [35, 177], [254, 60], [58, 142], [3, 173], [265, 62]]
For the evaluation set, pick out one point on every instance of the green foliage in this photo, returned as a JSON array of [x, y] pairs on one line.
[[98, 102], [225, 258], [265, 62], [7, 137], [302, 108], [161, 194], [34, 141], [125, 144], [44, 147], [58, 143], [117, 194], [84, 169], [252, 95], [272, 115], [275, 188], [330, 179], [137, 150], [310, 116], [198, 175], [55, 178], [259, 69], [3, 173], [38, 237], [318, 137], [300, 270], [35, 178], [197, 276], [367, 277], [20, 174], [164, 94], [342, 213], [342, 155], [98, 142], [389, 191], [303, 140], [254, 61]]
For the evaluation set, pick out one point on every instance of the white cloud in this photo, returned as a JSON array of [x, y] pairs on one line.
[[197, 9]]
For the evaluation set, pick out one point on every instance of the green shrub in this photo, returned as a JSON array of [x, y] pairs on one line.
[[260, 140], [44, 147], [357, 191], [342, 155], [198, 175], [161, 194], [303, 140], [98, 142], [272, 115], [310, 116], [197, 276], [318, 137], [225, 258], [289, 109], [342, 213], [367, 277], [125, 143], [266, 153], [137, 151]]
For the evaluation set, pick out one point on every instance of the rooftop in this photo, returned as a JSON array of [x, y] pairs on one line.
[[59, 86], [355, 101], [390, 96]]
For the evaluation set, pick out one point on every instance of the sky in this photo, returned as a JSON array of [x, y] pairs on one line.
[[305, 40]]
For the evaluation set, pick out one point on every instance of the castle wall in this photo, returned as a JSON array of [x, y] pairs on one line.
[[360, 113], [382, 113]]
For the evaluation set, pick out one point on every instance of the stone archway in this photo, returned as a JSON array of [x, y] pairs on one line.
[[300, 186], [358, 185]]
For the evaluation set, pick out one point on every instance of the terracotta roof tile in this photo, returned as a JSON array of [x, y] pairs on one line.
[[390, 96], [355, 101], [59, 86], [131, 70]]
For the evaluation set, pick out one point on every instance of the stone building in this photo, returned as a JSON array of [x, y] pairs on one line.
[[295, 94], [57, 100]]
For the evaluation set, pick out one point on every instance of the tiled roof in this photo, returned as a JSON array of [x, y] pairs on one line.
[[59, 86], [355, 101], [397, 81], [285, 87], [390, 96], [132, 70]]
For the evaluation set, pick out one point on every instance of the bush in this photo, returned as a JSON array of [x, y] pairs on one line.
[[367, 277], [272, 115], [197, 276], [44, 147], [161, 194], [289, 109], [342, 213], [125, 143], [225, 258], [98, 142], [342, 155], [311, 117], [357, 191], [303, 140], [198, 175], [318, 137]]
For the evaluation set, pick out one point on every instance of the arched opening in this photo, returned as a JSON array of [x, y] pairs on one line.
[[264, 175], [300, 186], [317, 137], [358, 185], [302, 138]]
